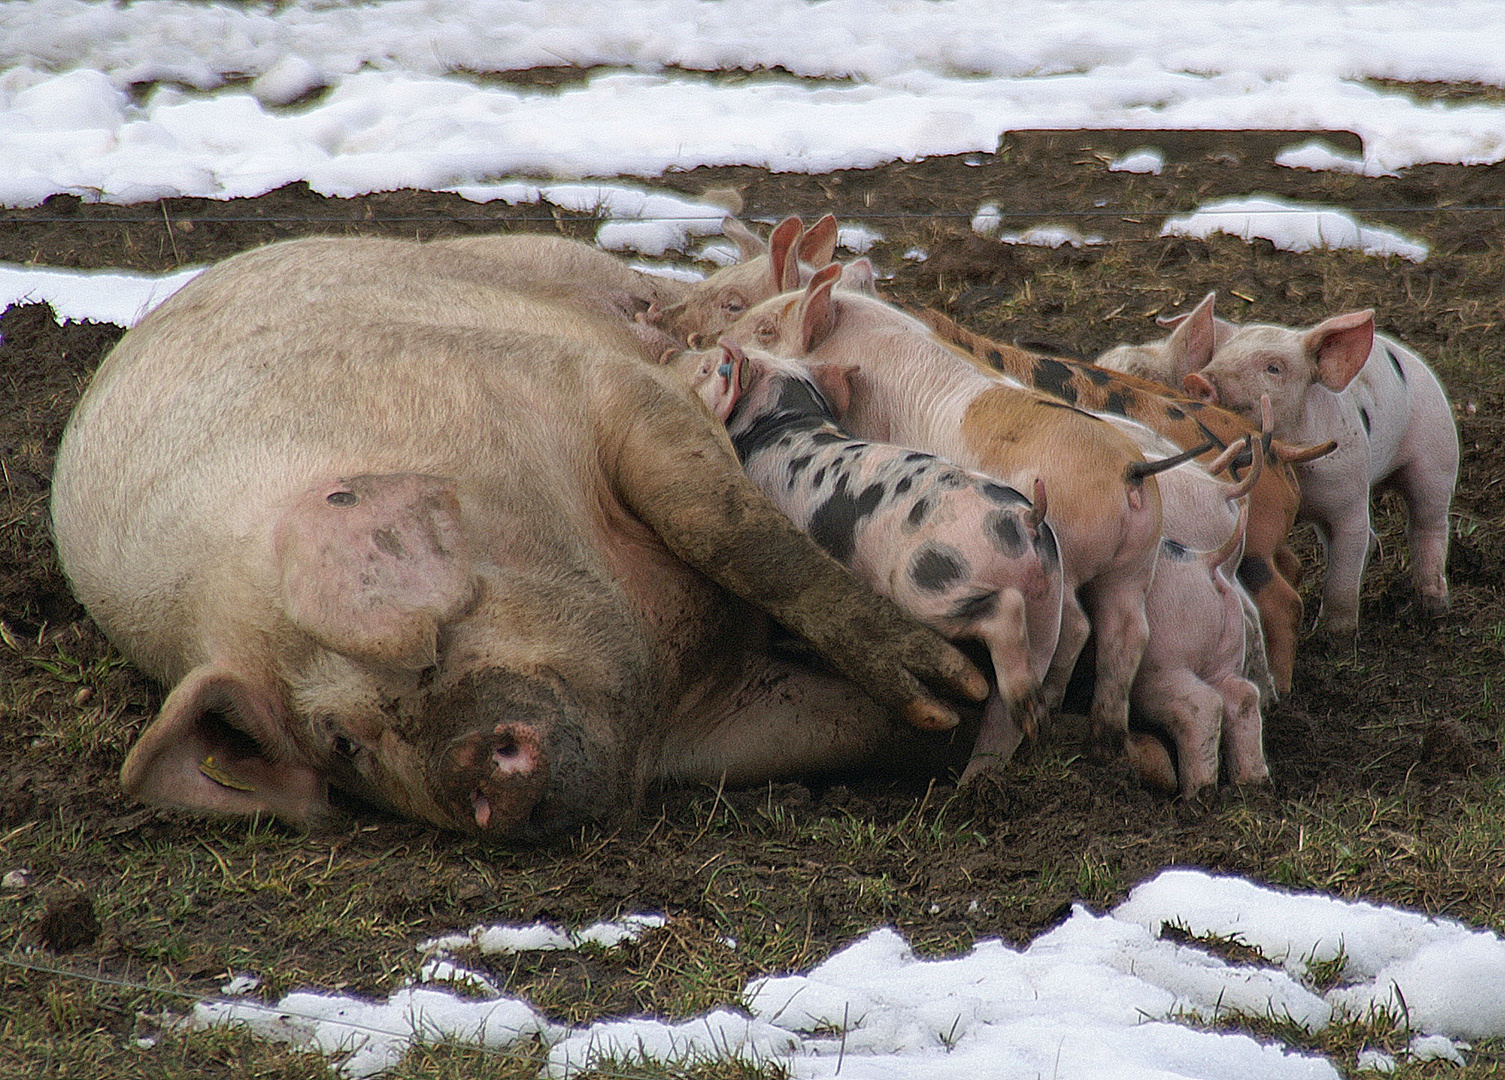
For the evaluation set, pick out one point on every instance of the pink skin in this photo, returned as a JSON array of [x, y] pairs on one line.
[[1199, 511], [1191, 680], [1393, 426], [912, 390], [1006, 596], [789, 257], [1170, 359]]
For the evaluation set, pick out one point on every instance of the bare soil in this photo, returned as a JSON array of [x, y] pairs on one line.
[[1396, 743]]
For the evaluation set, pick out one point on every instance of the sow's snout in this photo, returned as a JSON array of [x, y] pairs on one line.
[[520, 763]]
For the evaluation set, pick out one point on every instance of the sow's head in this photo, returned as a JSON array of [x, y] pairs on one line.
[[397, 667]]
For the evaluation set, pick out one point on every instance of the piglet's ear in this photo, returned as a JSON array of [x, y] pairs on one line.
[[1222, 329], [749, 244], [220, 745], [835, 382], [372, 566], [783, 262], [817, 311], [1340, 347], [1197, 386], [1173, 321], [859, 276], [1191, 343], [818, 246]]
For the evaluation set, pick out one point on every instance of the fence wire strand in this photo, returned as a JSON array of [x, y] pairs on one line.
[[155, 217]]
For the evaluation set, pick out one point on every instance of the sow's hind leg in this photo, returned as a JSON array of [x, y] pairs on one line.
[[790, 721]]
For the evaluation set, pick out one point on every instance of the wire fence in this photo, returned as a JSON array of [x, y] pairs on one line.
[[155, 216]]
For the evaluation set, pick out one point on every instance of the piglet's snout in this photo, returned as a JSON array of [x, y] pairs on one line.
[[497, 775]]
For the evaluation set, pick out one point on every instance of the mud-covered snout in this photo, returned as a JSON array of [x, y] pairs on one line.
[[522, 760], [496, 777]]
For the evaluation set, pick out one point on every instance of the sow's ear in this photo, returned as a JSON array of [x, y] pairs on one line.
[[219, 745], [374, 565]]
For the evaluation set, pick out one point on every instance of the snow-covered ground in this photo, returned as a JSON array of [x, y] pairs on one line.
[[1100, 995], [377, 96], [239, 100]]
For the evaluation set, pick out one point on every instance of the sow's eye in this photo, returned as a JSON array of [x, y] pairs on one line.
[[345, 747]]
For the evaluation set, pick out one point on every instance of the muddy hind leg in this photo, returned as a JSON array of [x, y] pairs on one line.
[[1243, 732], [1118, 618], [788, 721]]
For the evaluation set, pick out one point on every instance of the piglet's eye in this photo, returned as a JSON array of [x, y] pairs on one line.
[[1272, 369]]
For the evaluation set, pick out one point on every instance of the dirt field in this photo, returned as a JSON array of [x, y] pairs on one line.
[[1386, 760]]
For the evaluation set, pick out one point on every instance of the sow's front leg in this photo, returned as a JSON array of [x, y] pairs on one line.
[[676, 470]]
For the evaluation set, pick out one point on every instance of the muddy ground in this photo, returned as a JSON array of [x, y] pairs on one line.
[[1395, 744]]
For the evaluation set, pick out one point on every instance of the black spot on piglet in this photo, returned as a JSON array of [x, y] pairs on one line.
[[1007, 534], [1003, 494], [834, 524], [935, 567]]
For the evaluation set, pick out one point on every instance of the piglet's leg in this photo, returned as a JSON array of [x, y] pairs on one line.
[[1192, 712], [1427, 488], [1243, 731], [1278, 619], [997, 739], [1075, 630], [1117, 607], [1014, 710], [1347, 551], [1257, 666]]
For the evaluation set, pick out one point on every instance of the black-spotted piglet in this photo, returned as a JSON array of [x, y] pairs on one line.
[[959, 550]]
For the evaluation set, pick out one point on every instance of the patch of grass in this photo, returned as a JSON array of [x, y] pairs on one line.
[[1460, 93], [1230, 947], [1324, 974]]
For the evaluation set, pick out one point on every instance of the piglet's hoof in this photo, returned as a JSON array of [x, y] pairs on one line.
[[1435, 606], [1105, 745], [1151, 762], [1338, 631]]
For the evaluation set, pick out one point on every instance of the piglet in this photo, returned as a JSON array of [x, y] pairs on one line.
[[1191, 680], [959, 550], [1393, 426]]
